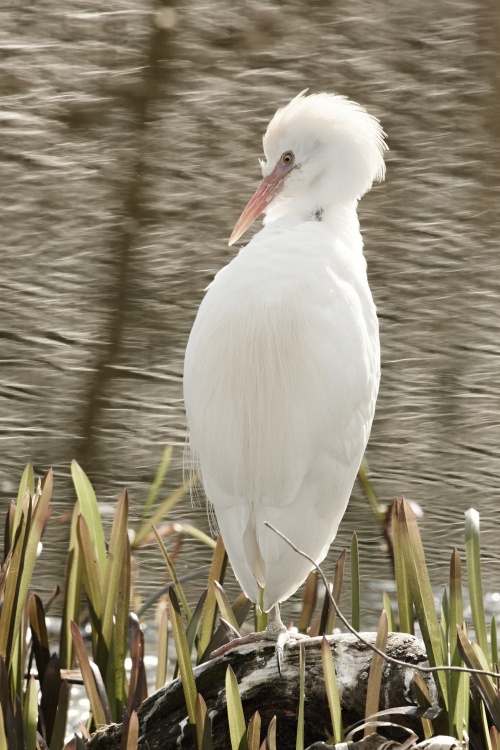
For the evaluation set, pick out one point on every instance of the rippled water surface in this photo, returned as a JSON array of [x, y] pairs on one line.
[[129, 146]]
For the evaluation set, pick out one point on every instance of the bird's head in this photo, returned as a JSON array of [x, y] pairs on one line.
[[321, 151]]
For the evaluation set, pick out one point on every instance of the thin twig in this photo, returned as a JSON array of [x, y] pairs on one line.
[[388, 658]]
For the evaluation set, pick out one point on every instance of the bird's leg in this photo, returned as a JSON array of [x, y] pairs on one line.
[[275, 630], [275, 625]]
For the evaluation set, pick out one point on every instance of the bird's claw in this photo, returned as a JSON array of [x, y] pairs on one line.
[[283, 638]]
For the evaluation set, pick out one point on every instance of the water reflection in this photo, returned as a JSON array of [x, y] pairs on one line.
[[122, 183]]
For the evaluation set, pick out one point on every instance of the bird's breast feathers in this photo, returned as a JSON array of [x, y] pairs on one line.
[[282, 366]]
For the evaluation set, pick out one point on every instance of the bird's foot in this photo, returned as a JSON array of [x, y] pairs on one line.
[[275, 631], [286, 637]]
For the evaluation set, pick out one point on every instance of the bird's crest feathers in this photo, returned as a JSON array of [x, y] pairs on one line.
[[334, 122]]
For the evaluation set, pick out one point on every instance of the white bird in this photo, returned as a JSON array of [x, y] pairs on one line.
[[282, 366]]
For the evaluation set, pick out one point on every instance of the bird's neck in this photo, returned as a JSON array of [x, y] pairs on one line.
[[341, 220]]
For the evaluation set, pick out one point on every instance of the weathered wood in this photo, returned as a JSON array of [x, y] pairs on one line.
[[163, 722], [372, 742], [377, 742]]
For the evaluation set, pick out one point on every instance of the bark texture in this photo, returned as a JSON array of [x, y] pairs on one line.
[[163, 720]]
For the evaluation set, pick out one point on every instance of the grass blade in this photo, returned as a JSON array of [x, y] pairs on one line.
[[260, 617], [309, 601], [194, 623], [421, 591], [192, 531], [26, 485], [72, 592], [138, 687], [183, 655], [473, 555], [203, 725], [445, 621], [92, 681], [33, 515], [224, 606], [494, 738], [18, 658], [271, 734], [120, 642], [332, 691], [355, 584], [162, 651], [161, 473], [113, 667], [173, 576], [299, 744], [459, 682], [162, 510], [18, 727], [237, 728], [50, 689], [253, 732], [318, 625], [423, 701], [241, 607], [338, 579], [4, 743], [114, 565], [39, 634], [91, 573], [324, 621], [30, 713], [90, 511], [59, 728], [485, 728], [130, 733], [405, 603], [375, 676], [474, 658], [494, 640], [192, 628], [389, 612], [367, 486], [217, 573]]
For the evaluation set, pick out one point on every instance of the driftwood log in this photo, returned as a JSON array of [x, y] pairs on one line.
[[163, 719]]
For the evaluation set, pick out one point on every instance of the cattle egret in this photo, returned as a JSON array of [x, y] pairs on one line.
[[282, 365]]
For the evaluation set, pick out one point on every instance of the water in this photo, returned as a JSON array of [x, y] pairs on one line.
[[121, 186]]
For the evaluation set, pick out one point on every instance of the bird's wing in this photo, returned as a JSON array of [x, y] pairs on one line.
[[281, 375]]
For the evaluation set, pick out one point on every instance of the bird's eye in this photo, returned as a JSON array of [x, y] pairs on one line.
[[287, 158]]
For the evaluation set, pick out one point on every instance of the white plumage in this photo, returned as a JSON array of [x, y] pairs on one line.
[[282, 366]]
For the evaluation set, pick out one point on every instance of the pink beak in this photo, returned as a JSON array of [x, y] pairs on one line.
[[263, 196]]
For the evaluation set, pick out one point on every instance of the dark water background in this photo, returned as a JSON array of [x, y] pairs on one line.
[[129, 145]]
